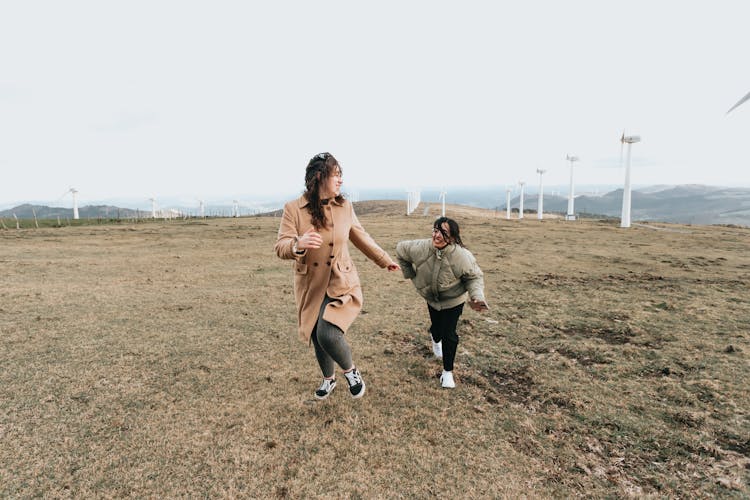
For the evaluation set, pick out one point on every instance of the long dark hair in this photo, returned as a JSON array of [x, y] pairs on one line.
[[319, 168], [455, 235]]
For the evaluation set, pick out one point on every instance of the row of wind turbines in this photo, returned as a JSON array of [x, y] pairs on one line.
[[74, 193], [156, 212], [570, 214]]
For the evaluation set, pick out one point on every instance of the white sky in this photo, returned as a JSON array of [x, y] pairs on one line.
[[221, 98]]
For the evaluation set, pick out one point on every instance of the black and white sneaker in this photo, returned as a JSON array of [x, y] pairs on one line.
[[326, 388], [356, 384]]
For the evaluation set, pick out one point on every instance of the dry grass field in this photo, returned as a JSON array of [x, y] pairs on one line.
[[160, 359]]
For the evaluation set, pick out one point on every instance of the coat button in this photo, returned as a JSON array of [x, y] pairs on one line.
[[330, 244], [329, 262], [315, 264], [331, 256]]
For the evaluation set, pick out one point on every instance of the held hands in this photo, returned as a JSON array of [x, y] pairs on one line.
[[393, 267], [478, 305], [310, 239]]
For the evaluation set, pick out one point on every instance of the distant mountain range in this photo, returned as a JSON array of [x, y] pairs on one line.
[[686, 204], [27, 211]]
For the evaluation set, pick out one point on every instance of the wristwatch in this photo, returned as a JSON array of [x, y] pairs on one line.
[[295, 249]]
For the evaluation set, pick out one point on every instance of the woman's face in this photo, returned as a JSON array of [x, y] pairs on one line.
[[331, 186], [438, 240]]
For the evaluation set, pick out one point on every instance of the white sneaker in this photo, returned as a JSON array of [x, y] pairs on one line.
[[437, 348], [326, 388], [446, 380]]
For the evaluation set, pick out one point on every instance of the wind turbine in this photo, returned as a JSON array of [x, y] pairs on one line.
[[74, 192], [625, 217], [153, 207], [507, 203], [739, 102], [520, 200], [235, 208], [202, 209], [571, 215], [540, 201], [442, 199]]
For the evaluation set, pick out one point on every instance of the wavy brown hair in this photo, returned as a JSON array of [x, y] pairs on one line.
[[319, 168]]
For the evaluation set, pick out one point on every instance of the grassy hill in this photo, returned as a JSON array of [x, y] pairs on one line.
[[161, 360]]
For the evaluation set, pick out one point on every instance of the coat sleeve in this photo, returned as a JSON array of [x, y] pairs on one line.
[[472, 277], [287, 236], [364, 242], [405, 259]]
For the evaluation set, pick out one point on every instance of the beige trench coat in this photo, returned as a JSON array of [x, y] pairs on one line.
[[328, 269]]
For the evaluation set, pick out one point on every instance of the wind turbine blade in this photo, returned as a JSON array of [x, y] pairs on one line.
[[739, 102]]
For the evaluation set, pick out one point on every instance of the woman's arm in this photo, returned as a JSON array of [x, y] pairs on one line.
[[364, 242], [287, 236], [473, 279], [405, 260]]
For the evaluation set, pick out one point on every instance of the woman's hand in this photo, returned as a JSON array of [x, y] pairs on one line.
[[311, 239], [393, 267], [478, 305]]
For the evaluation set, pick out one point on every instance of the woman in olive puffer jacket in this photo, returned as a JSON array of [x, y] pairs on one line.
[[444, 273]]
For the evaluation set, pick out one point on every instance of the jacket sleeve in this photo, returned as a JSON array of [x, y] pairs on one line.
[[364, 242], [287, 236], [472, 277], [405, 260]]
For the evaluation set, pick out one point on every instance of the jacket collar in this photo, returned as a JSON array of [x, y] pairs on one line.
[[448, 249], [302, 202]]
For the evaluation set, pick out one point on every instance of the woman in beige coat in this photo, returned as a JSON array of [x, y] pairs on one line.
[[315, 231]]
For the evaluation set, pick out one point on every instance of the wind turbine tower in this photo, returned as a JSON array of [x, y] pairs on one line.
[[520, 200], [442, 199], [540, 205], [507, 203], [625, 217], [153, 207], [571, 215], [235, 208], [202, 209], [412, 201], [74, 192]]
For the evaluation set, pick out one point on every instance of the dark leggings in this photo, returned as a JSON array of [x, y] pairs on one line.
[[443, 328], [330, 345]]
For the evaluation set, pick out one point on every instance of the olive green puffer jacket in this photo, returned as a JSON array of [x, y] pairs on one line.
[[442, 277]]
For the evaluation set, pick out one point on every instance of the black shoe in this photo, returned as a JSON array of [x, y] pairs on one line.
[[356, 384]]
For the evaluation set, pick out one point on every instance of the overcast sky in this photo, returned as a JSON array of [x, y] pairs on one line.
[[134, 99]]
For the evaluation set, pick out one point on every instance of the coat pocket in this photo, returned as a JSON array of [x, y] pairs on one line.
[[344, 277]]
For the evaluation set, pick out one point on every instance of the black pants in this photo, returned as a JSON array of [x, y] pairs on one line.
[[443, 328]]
